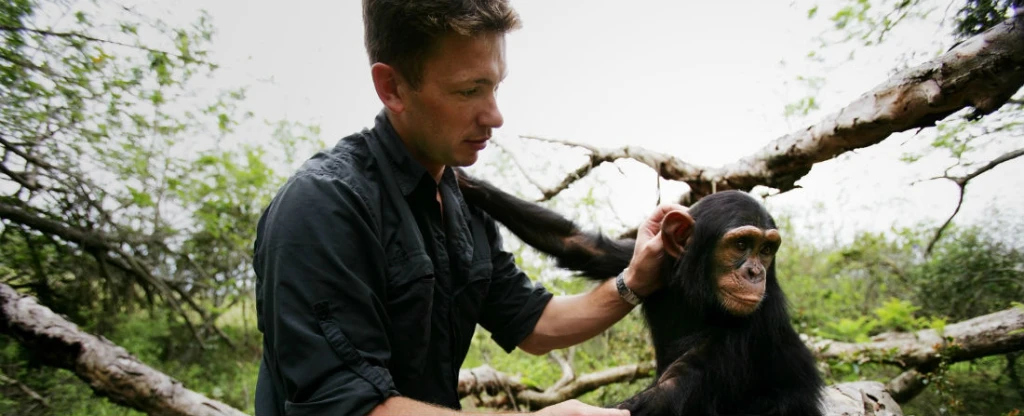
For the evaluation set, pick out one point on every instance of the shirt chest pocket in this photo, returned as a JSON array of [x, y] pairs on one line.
[[410, 307], [469, 299]]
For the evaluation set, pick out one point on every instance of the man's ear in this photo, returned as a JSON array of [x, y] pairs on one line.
[[386, 81], [676, 228]]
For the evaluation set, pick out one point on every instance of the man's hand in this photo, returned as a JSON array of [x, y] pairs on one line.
[[578, 408], [644, 273]]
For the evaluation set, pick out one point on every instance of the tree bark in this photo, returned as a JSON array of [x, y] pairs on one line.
[[983, 73], [860, 398], [109, 369], [992, 334]]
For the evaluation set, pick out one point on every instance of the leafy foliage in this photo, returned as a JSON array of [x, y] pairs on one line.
[[978, 15], [122, 205]]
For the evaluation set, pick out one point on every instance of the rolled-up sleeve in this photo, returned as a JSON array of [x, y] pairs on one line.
[[514, 302], [320, 277]]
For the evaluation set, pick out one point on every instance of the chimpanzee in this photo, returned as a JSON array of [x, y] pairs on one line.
[[723, 341]]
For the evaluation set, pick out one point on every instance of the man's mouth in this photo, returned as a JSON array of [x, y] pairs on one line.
[[478, 144]]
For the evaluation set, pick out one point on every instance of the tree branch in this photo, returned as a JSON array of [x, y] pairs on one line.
[[565, 363], [526, 174], [983, 72], [868, 398], [992, 334], [80, 36], [25, 389], [103, 245], [942, 228], [485, 379], [961, 183], [1006, 157], [668, 166], [110, 370], [907, 385]]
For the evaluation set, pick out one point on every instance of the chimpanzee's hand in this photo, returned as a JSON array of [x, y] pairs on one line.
[[578, 408], [643, 275]]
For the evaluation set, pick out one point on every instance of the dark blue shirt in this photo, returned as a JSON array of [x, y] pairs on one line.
[[365, 289]]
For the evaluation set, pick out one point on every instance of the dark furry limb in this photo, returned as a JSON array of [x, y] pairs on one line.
[[709, 361], [594, 255]]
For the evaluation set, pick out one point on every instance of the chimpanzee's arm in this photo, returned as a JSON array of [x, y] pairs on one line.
[[592, 254], [676, 393]]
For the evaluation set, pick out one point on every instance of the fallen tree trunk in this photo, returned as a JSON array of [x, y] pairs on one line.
[[982, 73], [109, 369], [992, 334]]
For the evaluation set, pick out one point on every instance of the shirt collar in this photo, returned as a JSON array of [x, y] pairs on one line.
[[408, 172]]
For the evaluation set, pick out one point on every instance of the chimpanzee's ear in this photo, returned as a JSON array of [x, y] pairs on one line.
[[676, 228]]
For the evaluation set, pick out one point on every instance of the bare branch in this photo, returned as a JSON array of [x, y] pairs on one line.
[[81, 36], [515, 159], [868, 398], [667, 166], [25, 389], [565, 363], [108, 369], [907, 385], [485, 379], [103, 245], [942, 228], [982, 72], [992, 334], [1006, 157], [961, 183]]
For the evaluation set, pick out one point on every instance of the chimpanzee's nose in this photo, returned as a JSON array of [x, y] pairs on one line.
[[755, 273]]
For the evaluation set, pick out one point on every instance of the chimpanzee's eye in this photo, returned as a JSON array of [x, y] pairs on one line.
[[741, 245], [768, 250]]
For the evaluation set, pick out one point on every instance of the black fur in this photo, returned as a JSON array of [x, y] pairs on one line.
[[708, 361]]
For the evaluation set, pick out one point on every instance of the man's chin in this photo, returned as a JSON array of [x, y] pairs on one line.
[[465, 161]]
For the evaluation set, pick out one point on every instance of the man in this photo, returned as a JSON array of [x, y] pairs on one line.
[[372, 272]]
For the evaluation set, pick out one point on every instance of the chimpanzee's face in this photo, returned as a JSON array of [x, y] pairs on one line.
[[742, 259]]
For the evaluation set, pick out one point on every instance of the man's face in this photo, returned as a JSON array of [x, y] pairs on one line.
[[449, 118]]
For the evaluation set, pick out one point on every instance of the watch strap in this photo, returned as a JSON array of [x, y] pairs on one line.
[[625, 292]]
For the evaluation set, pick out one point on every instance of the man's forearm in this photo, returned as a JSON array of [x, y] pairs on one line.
[[570, 320], [404, 406]]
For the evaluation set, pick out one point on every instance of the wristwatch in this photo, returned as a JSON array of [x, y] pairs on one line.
[[625, 292]]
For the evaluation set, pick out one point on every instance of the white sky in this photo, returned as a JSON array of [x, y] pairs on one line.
[[704, 81]]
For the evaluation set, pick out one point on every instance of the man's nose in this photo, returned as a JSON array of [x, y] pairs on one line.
[[491, 116]]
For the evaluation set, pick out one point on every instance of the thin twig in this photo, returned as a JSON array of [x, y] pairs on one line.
[[961, 183], [25, 389], [515, 160], [74, 35]]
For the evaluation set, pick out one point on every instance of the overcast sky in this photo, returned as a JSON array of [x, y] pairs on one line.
[[705, 81]]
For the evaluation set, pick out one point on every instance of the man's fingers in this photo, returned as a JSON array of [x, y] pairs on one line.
[[609, 412]]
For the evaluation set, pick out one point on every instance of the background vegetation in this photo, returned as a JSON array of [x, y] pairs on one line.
[[126, 206]]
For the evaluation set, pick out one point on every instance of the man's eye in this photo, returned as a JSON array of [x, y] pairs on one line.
[[470, 92]]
